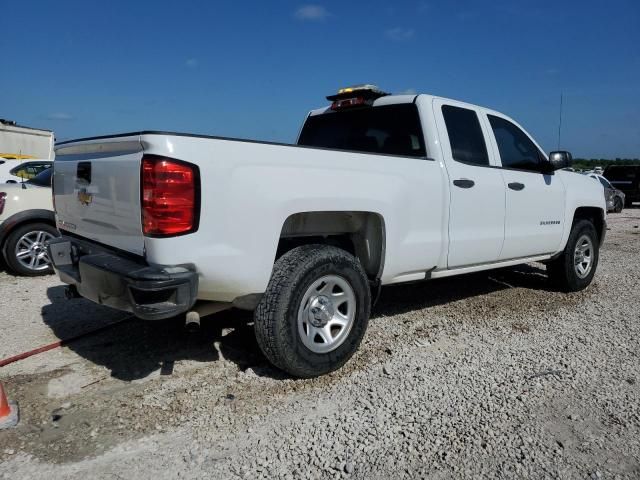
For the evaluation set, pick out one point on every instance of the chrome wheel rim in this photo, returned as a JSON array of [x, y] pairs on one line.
[[31, 251], [326, 314], [583, 256]]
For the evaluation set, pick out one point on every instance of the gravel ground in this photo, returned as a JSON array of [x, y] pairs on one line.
[[34, 313], [486, 376]]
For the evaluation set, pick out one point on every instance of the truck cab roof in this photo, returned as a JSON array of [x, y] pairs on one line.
[[412, 98], [378, 102]]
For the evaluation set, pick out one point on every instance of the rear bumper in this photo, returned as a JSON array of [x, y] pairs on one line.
[[129, 284]]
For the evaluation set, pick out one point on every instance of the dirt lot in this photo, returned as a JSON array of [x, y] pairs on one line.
[[491, 375]]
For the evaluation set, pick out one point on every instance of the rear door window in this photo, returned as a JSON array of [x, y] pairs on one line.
[[389, 130], [465, 135]]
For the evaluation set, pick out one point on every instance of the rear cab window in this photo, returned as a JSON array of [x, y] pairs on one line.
[[387, 130]]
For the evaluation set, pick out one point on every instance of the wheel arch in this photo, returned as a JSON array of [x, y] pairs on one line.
[[361, 233], [596, 216]]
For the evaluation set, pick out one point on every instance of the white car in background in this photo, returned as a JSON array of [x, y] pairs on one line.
[[15, 171], [27, 222], [615, 198]]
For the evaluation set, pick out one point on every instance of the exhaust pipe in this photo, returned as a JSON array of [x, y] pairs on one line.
[[192, 322], [71, 292], [202, 309]]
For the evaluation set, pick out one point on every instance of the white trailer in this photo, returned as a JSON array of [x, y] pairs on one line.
[[21, 142]]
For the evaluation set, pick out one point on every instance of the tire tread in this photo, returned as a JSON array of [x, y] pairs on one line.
[[561, 270], [285, 279], [9, 245]]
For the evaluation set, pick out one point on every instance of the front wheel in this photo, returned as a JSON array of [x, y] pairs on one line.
[[315, 311], [574, 269], [25, 250]]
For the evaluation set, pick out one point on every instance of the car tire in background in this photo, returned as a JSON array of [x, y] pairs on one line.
[[574, 269], [315, 311], [24, 250], [617, 205]]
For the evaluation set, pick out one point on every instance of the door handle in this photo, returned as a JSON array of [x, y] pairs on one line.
[[516, 186], [464, 183]]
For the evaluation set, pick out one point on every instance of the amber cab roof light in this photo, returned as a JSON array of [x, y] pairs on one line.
[[365, 90], [355, 96]]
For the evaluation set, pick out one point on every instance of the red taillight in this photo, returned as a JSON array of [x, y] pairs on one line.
[[348, 102], [3, 197], [169, 196]]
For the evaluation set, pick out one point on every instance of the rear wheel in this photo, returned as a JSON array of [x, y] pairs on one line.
[[617, 205], [25, 249], [574, 269], [315, 311]]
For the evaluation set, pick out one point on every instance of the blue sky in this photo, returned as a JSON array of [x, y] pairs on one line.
[[252, 69]]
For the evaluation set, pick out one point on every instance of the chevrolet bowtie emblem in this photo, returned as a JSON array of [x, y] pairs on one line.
[[84, 197]]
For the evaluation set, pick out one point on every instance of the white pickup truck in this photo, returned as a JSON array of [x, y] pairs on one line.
[[380, 189]]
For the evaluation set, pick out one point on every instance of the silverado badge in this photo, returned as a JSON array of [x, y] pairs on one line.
[[84, 197]]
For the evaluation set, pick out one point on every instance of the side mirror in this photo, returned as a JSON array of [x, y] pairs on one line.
[[560, 160]]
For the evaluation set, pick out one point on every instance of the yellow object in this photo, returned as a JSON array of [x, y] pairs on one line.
[[15, 156], [356, 88]]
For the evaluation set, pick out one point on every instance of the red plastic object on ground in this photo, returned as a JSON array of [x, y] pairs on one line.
[[8, 411]]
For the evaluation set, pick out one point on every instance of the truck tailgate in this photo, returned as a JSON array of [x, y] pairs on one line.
[[96, 187]]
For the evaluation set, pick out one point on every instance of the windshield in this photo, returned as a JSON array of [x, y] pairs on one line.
[[604, 182], [43, 179], [389, 130]]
